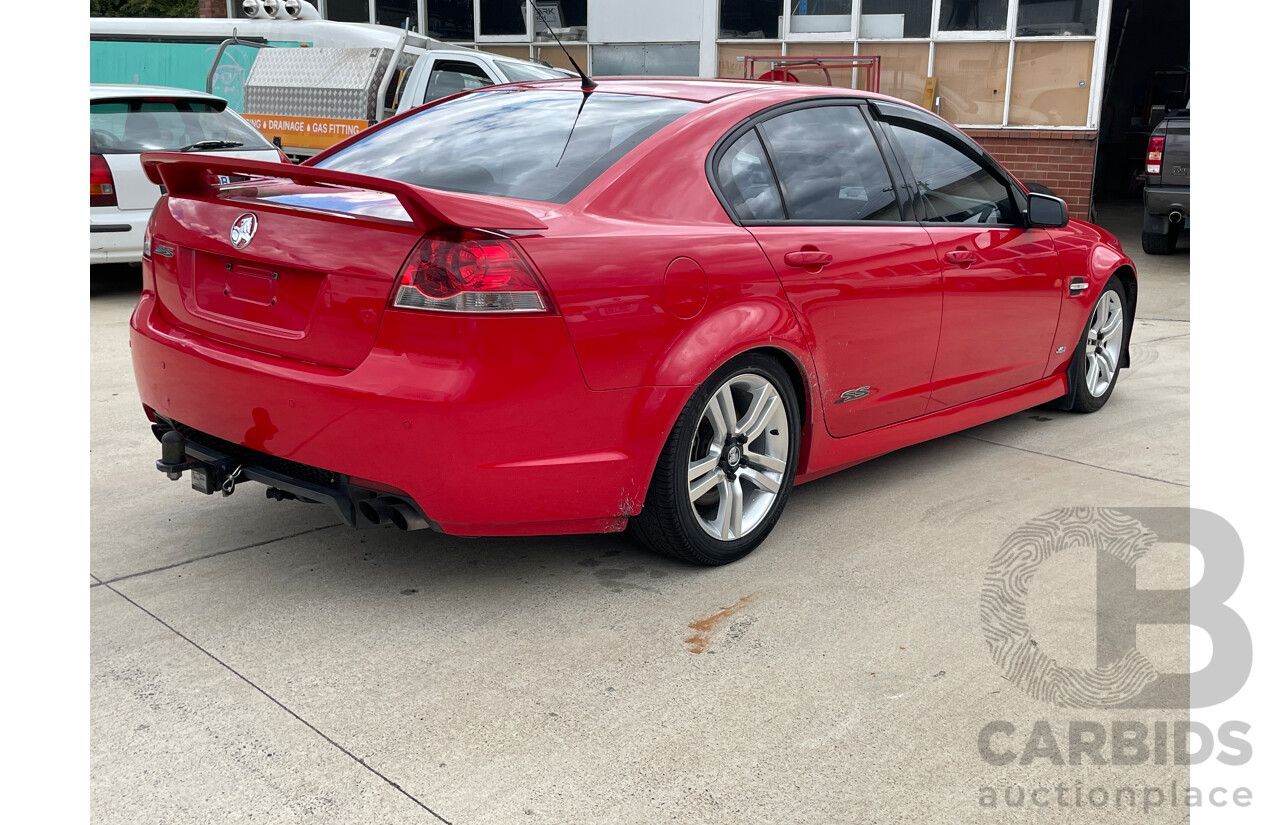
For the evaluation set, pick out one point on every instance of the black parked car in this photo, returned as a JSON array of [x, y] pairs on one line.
[[1166, 198]]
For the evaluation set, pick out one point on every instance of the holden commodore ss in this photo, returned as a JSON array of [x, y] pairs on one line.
[[651, 305]]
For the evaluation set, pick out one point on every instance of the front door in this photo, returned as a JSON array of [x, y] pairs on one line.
[[1002, 284]]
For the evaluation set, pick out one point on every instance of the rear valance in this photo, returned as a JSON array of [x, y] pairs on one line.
[[196, 176]]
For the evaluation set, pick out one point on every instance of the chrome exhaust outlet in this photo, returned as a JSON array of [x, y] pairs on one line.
[[1175, 216]]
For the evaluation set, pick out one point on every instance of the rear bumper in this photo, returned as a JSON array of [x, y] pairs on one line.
[[489, 430], [115, 235], [1161, 201]]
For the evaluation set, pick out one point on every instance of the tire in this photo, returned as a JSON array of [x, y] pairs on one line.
[[710, 461], [1095, 367], [1155, 243]]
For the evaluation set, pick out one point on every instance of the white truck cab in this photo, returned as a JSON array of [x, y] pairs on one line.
[[305, 83]]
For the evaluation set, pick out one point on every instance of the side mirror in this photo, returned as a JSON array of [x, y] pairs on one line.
[[1046, 211]]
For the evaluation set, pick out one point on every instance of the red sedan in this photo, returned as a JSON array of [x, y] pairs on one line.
[[535, 309]]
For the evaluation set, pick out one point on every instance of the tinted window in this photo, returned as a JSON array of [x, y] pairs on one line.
[[830, 166], [747, 182], [952, 187], [127, 127], [538, 145]]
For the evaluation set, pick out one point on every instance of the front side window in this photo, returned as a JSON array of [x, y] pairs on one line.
[[536, 144], [448, 77], [951, 186], [830, 166], [973, 15]]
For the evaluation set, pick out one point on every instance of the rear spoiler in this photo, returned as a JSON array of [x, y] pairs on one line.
[[195, 176]]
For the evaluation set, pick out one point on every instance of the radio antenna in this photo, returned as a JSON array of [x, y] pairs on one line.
[[587, 83]]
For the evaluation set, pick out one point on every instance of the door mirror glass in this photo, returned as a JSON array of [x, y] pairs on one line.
[[1046, 211]]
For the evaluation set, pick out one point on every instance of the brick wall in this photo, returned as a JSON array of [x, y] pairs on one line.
[[1062, 161], [214, 8]]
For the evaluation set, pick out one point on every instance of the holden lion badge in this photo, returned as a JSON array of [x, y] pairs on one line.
[[243, 229]]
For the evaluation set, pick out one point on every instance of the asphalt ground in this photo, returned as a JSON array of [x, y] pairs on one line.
[[256, 661]]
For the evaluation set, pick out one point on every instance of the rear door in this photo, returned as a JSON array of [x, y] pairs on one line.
[[1002, 283], [813, 187]]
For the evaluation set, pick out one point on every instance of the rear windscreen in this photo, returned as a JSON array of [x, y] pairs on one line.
[[127, 127], [539, 145]]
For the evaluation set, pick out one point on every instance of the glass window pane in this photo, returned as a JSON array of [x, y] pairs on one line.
[[896, 18], [1057, 17], [670, 59], [348, 11], [821, 16], [750, 18], [539, 145], [951, 186], [498, 17], [971, 81], [398, 13], [567, 17], [747, 183], [1051, 83], [818, 75], [830, 166], [973, 15], [904, 67], [451, 19], [727, 64], [140, 125]]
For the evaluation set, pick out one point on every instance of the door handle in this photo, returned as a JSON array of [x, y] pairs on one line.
[[808, 258], [961, 257]]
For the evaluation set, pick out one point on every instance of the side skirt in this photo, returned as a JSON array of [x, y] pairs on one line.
[[830, 455]]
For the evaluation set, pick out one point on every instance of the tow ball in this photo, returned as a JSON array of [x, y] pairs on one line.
[[206, 477]]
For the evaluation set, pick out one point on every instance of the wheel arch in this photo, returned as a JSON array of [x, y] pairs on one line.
[[1129, 280]]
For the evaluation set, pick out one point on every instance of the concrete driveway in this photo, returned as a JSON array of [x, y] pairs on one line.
[[255, 661]]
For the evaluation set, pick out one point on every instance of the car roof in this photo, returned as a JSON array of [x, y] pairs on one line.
[[703, 90], [98, 91]]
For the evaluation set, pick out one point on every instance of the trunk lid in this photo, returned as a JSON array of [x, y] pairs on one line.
[[1177, 152], [300, 264]]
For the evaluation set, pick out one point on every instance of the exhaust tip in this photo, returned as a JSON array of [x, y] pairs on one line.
[[370, 512], [398, 519], [1175, 216]]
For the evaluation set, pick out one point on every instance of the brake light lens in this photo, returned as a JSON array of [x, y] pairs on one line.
[[102, 189], [463, 270], [146, 244], [1155, 155]]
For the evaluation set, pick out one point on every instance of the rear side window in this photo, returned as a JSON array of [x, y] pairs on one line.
[[539, 145], [830, 165], [127, 127], [747, 182]]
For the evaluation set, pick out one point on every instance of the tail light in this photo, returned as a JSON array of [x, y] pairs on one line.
[[1155, 155], [146, 243], [102, 189], [462, 270]]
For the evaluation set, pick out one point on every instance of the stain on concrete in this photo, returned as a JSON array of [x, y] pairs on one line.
[[704, 627]]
